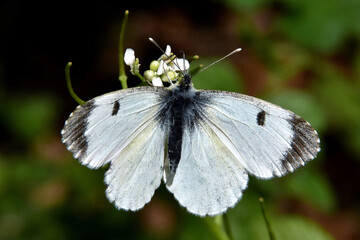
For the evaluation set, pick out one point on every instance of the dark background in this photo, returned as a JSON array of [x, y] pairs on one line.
[[304, 56]]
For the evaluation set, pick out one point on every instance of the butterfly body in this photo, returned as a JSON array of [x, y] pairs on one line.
[[181, 108]]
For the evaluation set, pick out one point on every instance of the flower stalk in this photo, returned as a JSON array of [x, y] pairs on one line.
[[122, 74], [69, 86], [216, 225], [267, 222]]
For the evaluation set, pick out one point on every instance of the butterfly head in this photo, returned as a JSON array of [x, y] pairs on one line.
[[184, 83]]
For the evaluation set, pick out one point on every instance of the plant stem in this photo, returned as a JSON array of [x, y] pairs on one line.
[[141, 77], [267, 222], [68, 83], [227, 226], [216, 226], [194, 71], [122, 74]]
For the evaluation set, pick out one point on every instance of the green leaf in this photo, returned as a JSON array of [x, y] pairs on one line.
[[321, 25], [313, 188], [340, 99], [295, 227], [247, 222]]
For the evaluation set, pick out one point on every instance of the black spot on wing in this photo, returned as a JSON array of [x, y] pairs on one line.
[[260, 119], [73, 133], [116, 108], [305, 145]]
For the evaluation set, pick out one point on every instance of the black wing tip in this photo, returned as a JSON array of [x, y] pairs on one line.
[[305, 145], [73, 133]]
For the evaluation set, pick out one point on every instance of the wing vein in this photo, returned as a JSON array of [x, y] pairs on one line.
[[128, 139]]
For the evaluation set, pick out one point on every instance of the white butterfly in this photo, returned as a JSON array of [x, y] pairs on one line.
[[203, 143]]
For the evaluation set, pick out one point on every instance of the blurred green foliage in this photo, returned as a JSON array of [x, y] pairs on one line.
[[46, 194], [19, 111], [322, 25], [221, 76]]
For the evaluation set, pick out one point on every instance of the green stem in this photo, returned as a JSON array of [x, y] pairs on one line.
[[227, 226], [194, 71], [122, 74], [68, 83], [123, 81], [267, 222], [141, 77], [216, 226]]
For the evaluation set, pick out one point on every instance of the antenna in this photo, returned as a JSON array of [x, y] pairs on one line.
[[177, 64], [228, 55], [157, 45]]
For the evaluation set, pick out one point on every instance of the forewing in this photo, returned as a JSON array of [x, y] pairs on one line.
[[209, 179], [120, 128], [267, 139]]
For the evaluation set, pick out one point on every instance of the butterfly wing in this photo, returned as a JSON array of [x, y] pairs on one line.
[[236, 135], [267, 139], [209, 179], [120, 128]]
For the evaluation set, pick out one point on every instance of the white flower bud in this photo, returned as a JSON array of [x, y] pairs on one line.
[[154, 65], [149, 74], [129, 57], [168, 50]]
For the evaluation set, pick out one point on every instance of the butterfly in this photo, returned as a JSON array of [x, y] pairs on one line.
[[203, 143]]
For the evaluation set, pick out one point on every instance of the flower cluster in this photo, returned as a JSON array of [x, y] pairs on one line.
[[167, 68]]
